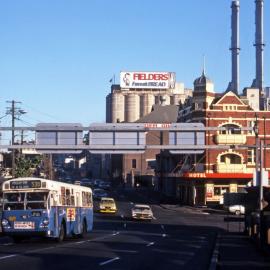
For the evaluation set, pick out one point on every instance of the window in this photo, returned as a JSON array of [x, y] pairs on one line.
[[230, 129], [251, 125], [251, 156], [235, 159], [222, 159], [230, 159], [87, 199], [134, 164]]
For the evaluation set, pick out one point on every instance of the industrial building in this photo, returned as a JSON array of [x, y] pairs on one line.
[[128, 103]]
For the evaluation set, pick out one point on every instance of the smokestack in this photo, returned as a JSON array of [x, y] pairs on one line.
[[235, 47], [259, 45]]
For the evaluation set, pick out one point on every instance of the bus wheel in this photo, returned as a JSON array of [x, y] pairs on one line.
[[84, 229], [62, 233]]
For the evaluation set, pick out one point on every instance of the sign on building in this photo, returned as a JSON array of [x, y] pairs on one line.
[[147, 80]]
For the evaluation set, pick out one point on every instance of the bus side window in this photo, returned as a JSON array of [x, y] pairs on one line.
[[68, 197], [63, 196], [78, 199], [72, 201], [90, 199]]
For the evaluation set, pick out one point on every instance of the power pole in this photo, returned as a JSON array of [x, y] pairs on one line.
[[15, 112]]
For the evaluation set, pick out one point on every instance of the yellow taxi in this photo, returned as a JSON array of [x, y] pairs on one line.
[[107, 205]]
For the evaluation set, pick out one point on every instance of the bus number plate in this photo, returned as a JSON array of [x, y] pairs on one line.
[[24, 225]]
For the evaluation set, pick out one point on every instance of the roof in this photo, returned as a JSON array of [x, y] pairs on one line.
[[141, 205], [161, 114], [202, 80]]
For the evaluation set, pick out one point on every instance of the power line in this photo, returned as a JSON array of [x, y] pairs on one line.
[[40, 112]]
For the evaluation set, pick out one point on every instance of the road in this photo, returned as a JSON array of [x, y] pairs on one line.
[[178, 238]]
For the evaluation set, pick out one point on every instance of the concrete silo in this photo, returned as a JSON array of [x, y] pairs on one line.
[[132, 107], [118, 103], [146, 103]]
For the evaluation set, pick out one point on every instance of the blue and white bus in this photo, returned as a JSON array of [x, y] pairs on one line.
[[35, 206]]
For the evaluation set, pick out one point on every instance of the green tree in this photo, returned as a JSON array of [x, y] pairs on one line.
[[25, 167]]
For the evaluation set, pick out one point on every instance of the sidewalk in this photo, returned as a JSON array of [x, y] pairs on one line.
[[236, 251]]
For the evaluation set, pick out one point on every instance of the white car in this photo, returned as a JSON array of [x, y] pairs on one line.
[[237, 209], [142, 211]]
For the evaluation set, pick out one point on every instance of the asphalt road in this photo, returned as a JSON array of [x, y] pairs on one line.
[[175, 239]]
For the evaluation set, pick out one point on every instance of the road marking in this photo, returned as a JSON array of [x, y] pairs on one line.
[[7, 244], [59, 246], [164, 235], [109, 261], [122, 216], [162, 227], [150, 244], [125, 225], [80, 242], [9, 256], [131, 202]]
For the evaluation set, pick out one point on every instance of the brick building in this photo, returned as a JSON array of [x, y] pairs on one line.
[[202, 179]]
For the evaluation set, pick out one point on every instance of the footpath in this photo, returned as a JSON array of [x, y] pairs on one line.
[[237, 251]]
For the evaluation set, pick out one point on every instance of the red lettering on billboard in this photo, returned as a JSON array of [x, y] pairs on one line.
[[150, 76]]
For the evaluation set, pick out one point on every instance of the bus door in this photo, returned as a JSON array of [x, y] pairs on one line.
[[78, 213], [54, 212]]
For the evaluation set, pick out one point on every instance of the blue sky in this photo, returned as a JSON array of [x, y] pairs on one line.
[[57, 56]]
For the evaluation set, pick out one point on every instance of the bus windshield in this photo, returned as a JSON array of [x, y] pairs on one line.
[[23, 200]]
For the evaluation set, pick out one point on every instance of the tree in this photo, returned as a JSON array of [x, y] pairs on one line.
[[25, 167]]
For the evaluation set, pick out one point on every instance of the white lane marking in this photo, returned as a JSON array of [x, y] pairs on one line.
[[9, 256], [59, 246], [131, 202], [7, 244], [125, 225], [150, 244], [109, 261], [80, 242], [164, 235]]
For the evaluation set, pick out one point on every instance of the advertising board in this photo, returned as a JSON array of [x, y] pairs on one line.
[[147, 80]]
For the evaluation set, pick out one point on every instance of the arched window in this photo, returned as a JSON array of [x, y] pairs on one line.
[[230, 129], [230, 159]]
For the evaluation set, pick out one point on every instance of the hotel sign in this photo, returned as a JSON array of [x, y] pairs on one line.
[[147, 80]]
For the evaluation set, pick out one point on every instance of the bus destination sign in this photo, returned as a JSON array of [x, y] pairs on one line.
[[25, 184]]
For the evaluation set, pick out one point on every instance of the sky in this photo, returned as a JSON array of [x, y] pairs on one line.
[[58, 56]]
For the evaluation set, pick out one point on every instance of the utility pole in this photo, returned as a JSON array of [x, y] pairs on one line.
[[15, 113]]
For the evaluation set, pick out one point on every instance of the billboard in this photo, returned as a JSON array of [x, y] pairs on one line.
[[147, 80]]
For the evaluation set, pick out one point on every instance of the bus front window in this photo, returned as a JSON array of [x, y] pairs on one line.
[[14, 201], [36, 200]]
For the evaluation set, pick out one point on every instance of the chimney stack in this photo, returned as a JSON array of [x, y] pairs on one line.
[[235, 47], [258, 82]]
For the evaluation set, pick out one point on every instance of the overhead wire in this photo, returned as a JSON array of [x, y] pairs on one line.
[[40, 112]]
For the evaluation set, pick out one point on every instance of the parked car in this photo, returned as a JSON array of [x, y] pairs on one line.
[[98, 193], [87, 182], [237, 209], [142, 211], [105, 185], [107, 205]]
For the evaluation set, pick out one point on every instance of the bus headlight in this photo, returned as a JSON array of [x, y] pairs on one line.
[[5, 223], [46, 221]]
